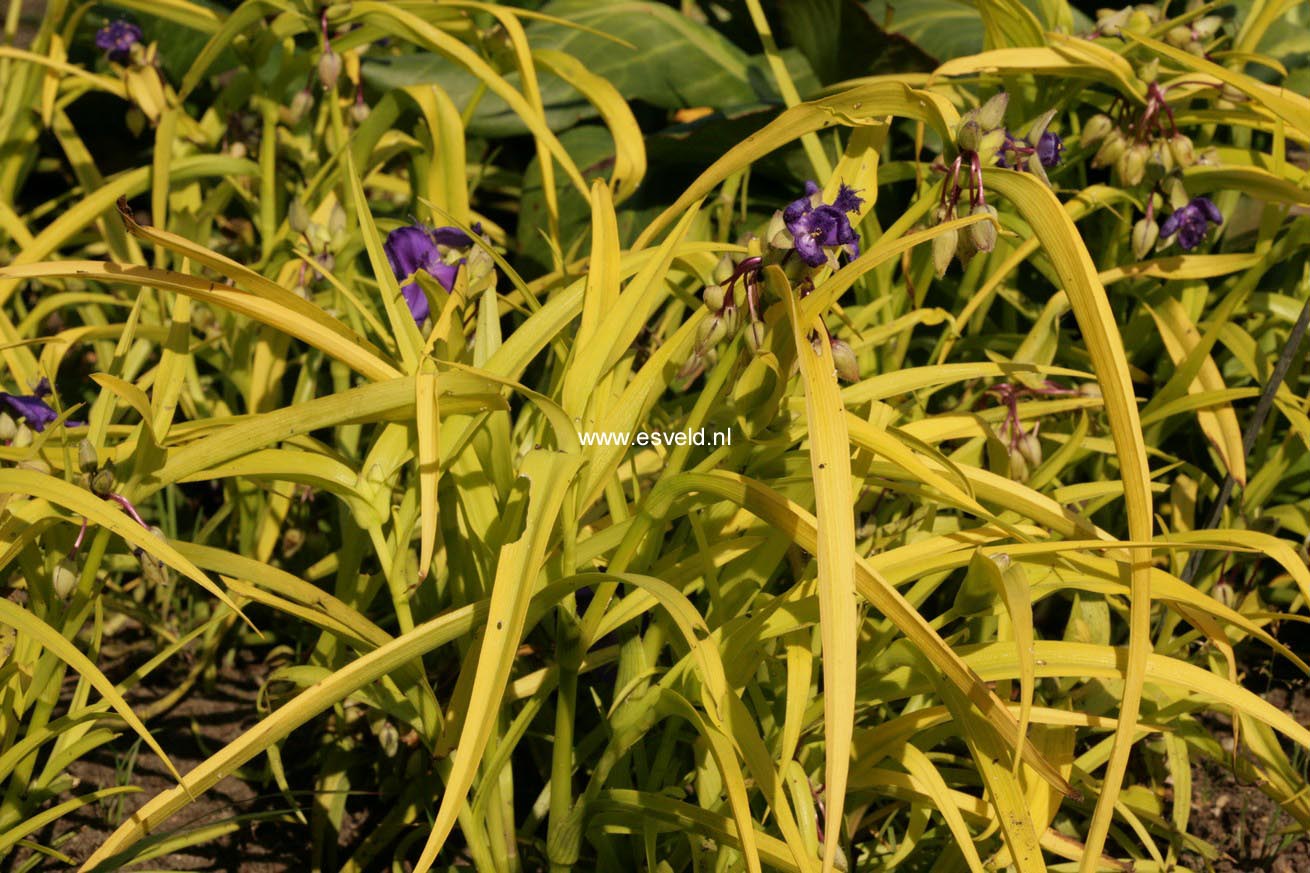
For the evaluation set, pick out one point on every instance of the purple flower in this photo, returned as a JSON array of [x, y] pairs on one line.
[[1192, 222], [1049, 148], [117, 38], [31, 406], [413, 248], [816, 226]]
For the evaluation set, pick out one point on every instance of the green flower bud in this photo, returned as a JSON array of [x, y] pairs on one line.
[[1132, 164], [943, 250], [1184, 153], [969, 135], [724, 269], [298, 216], [1019, 467], [1096, 128], [1115, 145], [713, 297], [992, 113], [1110, 22], [135, 120], [710, 333], [337, 220], [1178, 196], [983, 233], [1204, 28], [731, 320], [1195, 47], [1031, 449], [991, 145], [87, 459], [359, 114], [22, 437], [777, 234], [35, 464], [329, 69], [1178, 36], [755, 336], [103, 482], [8, 427], [64, 580], [844, 361], [1139, 21], [300, 106], [1145, 234], [153, 571]]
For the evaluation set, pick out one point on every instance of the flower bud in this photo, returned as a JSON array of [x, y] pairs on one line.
[[8, 427], [1031, 449], [1019, 468], [87, 459], [713, 297], [969, 135], [983, 234], [337, 220], [943, 250], [1145, 234], [844, 361], [755, 336], [1096, 128], [329, 69], [1132, 164], [724, 269], [1184, 153], [298, 216], [731, 320], [36, 465], [1110, 22], [1115, 144], [777, 234], [991, 144], [153, 571], [102, 483], [1179, 35], [300, 106], [359, 114], [710, 332], [1139, 21], [1204, 28], [135, 120], [992, 113], [1089, 389], [22, 438], [64, 579]]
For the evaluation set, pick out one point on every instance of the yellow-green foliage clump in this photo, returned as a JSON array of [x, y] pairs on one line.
[[798, 436]]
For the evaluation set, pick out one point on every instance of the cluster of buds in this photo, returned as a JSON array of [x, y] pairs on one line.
[[323, 240], [736, 286], [1146, 18], [979, 139], [98, 477], [1145, 148], [1023, 446]]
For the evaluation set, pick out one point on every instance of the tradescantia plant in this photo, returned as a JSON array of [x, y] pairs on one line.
[[329, 331]]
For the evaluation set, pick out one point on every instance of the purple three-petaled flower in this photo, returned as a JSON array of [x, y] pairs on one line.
[[1192, 222], [413, 248], [816, 226], [31, 407], [116, 39]]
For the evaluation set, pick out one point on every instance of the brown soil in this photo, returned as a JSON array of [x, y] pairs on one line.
[[1240, 820], [211, 716]]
